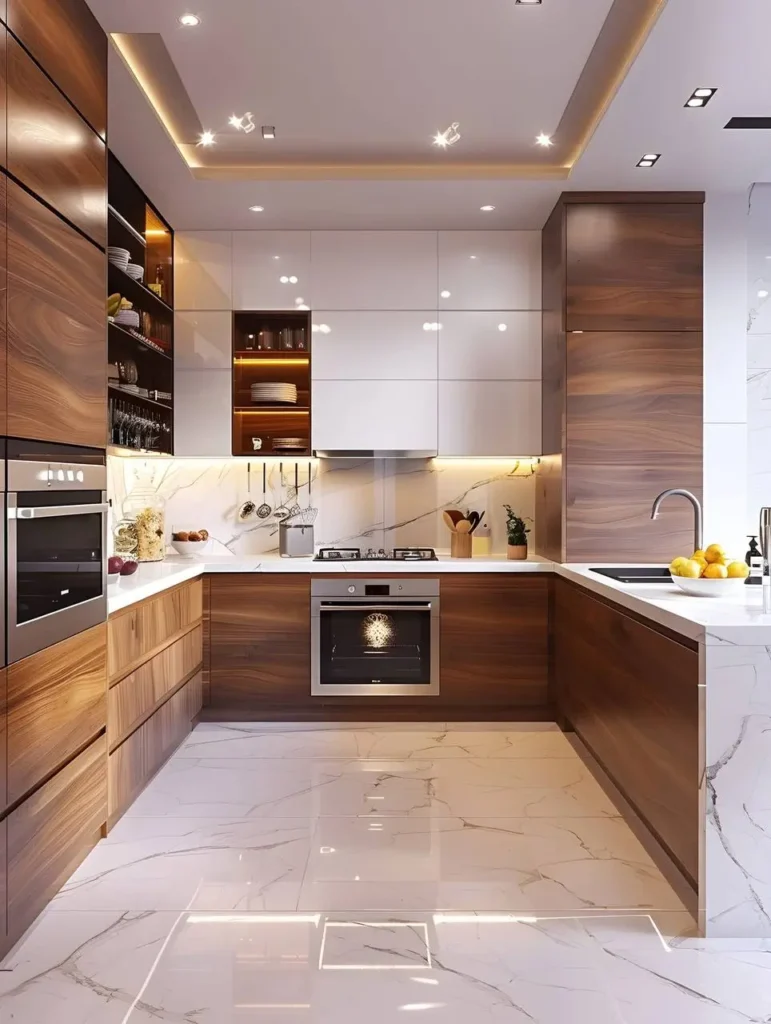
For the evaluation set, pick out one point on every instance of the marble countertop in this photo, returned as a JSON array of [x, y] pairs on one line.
[[737, 619]]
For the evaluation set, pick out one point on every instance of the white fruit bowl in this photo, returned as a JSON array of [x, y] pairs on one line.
[[190, 547], [709, 588]]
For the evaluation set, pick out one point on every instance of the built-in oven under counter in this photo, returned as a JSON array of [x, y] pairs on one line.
[[375, 637]]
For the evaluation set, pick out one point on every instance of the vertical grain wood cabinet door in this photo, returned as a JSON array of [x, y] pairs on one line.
[[57, 337], [3, 741], [3, 72], [65, 38], [52, 150], [3, 302]]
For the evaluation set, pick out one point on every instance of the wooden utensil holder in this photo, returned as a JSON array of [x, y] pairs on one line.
[[460, 545]]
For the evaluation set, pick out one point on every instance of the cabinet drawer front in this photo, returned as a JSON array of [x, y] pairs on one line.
[[138, 693], [136, 633], [56, 703], [133, 764], [51, 832]]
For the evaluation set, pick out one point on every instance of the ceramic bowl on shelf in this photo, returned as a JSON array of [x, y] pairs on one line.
[[709, 588], [190, 547]]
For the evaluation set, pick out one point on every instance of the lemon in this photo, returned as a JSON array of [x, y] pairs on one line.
[[691, 569], [676, 563], [737, 570], [714, 553], [715, 571], [698, 553], [701, 561]]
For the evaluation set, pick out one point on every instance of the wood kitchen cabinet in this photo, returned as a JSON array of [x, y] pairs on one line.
[[631, 693], [57, 346]]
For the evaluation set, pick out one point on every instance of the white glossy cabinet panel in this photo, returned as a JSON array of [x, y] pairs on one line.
[[489, 270], [374, 414], [263, 264], [374, 345], [490, 346], [203, 340], [374, 269], [500, 418], [202, 412], [202, 270]]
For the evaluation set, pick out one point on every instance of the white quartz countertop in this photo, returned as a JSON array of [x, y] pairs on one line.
[[737, 619]]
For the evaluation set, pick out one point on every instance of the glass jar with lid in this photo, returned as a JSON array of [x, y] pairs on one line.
[[146, 509]]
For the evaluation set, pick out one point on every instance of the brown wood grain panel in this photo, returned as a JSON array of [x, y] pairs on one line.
[[142, 630], [4, 944], [634, 364], [135, 761], [57, 333], [3, 93], [139, 693], [206, 637], [634, 266], [51, 832], [4, 801], [632, 696], [549, 527], [494, 640], [57, 702], [3, 301], [52, 150], [67, 40]]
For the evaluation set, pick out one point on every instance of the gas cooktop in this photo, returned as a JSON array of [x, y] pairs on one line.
[[381, 555]]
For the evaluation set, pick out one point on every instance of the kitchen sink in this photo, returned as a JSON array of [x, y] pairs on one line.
[[637, 574]]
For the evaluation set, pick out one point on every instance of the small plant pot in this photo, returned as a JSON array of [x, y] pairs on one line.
[[517, 552]]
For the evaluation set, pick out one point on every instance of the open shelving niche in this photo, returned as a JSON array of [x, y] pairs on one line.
[[254, 364], [135, 224]]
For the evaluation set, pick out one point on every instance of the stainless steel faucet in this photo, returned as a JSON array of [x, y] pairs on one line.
[[698, 529], [765, 543]]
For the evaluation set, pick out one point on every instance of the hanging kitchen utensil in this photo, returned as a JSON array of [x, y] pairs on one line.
[[281, 511], [480, 516], [247, 508], [265, 509], [295, 508]]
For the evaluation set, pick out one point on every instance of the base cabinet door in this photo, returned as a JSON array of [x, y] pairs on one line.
[[52, 831], [631, 693]]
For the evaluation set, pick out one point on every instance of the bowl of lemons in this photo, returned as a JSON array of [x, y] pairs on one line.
[[709, 573]]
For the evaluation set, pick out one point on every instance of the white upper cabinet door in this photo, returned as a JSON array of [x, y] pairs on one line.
[[376, 346], [374, 269], [374, 415], [489, 270], [202, 261], [490, 346], [202, 340], [500, 418], [203, 401], [272, 269]]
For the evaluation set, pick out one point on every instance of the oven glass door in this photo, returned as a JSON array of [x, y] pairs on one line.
[[59, 552], [377, 643]]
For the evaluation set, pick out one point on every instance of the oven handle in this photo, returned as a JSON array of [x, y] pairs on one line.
[[398, 606], [51, 511]]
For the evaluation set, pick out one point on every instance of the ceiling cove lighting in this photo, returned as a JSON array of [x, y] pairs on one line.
[[206, 139], [648, 160], [449, 136], [189, 20], [542, 139], [700, 97], [268, 131]]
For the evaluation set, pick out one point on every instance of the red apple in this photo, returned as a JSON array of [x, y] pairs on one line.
[[114, 564], [129, 567]]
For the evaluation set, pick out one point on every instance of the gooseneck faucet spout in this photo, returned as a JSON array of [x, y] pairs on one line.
[[698, 530]]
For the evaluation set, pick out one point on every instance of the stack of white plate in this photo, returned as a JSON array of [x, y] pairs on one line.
[[127, 318], [271, 394], [120, 257], [135, 270]]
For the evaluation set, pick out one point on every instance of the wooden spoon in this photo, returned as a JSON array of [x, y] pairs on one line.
[[455, 514], [449, 521], [464, 526]]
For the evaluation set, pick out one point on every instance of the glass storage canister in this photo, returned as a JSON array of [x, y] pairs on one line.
[[146, 509]]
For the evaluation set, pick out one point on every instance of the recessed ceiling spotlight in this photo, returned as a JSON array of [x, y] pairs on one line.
[[284, 279], [268, 131], [700, 97], [257, 209], [189, 20], [763, 294], [445, 294], [293, 279], [502, 327], [544, 140], [487, 209], [448, 137], [206, 139], [648, 160]]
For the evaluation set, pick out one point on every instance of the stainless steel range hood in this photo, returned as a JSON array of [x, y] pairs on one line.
[[368, 453]]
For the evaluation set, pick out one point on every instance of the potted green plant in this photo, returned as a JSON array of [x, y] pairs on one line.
[[517, 531]]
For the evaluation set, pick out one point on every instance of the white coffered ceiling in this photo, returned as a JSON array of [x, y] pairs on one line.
[[356, 90]]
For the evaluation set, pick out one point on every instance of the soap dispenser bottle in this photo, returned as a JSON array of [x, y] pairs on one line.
[[754, 558]]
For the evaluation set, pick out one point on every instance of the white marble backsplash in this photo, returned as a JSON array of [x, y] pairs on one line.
[[364, 503]]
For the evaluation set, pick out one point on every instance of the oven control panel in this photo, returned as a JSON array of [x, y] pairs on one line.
[[415, 587]]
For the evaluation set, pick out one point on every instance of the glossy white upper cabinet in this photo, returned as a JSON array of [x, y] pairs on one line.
[[376, 270], [203, 412], [374, 415], [272, 269], [362, 345], [490, 346], [481, 417], [203, 339], [489, 270], [202, 270]]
